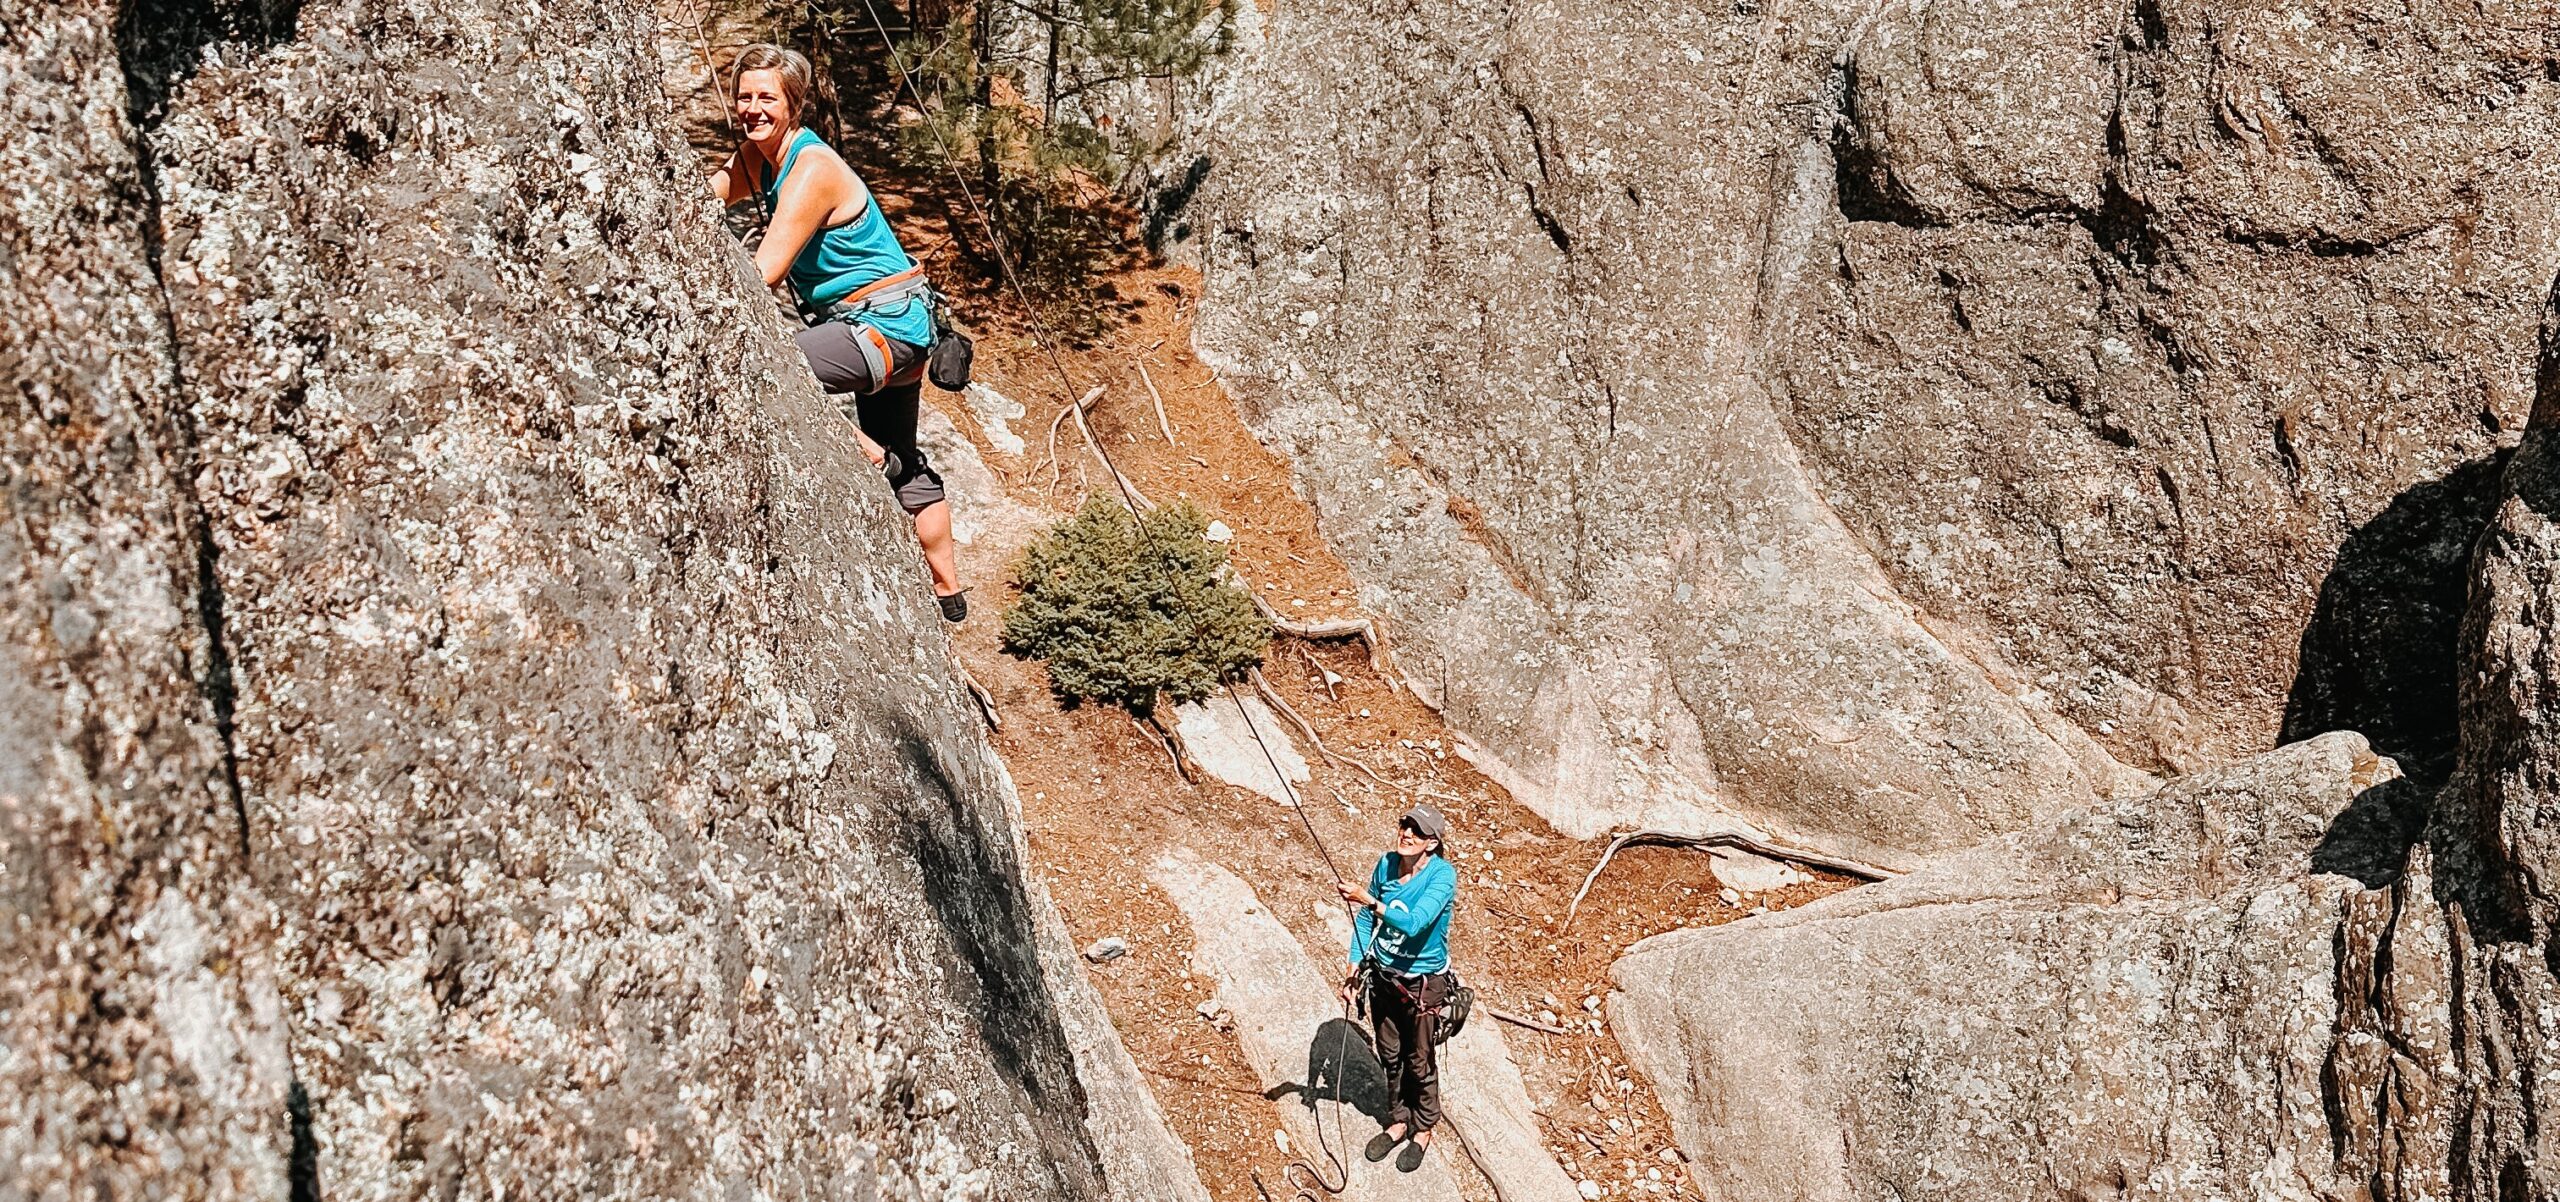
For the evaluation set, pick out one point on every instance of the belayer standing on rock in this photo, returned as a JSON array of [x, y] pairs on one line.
[[1400, 950], [868, 307]]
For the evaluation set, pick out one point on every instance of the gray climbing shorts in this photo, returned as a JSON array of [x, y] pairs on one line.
[[851, 358]]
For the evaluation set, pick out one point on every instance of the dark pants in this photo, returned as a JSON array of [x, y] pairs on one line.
[[887, 415], [1404, 1013]]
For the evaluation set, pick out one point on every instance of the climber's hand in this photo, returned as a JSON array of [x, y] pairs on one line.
[[873, 451]]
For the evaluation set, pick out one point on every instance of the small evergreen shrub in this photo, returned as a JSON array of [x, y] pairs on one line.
[[1133, 616]]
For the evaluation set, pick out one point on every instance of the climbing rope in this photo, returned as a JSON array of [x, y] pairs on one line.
[[1004, 262], [1317, 1181]]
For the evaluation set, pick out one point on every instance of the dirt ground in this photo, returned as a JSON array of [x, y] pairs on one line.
[[1101, 800]]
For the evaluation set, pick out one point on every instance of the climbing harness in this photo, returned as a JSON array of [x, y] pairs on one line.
[[1318, 1183]]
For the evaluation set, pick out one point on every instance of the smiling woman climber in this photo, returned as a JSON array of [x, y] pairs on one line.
[[1400, 953], [866, 304]]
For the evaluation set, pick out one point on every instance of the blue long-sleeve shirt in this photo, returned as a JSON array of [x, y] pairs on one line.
[[1411, 925]]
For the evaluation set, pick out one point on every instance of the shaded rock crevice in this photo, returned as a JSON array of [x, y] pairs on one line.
[[159, 43]]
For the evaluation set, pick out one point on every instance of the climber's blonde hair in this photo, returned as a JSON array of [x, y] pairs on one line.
[[798, 80]]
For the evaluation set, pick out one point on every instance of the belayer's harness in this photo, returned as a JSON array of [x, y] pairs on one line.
[[1449, 1018]]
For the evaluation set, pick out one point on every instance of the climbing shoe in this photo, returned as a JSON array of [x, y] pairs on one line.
[[1411, 1158], [1379, 1145], [955, 606]]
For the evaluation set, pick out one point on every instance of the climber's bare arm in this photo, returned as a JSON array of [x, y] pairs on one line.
[[810, 194]]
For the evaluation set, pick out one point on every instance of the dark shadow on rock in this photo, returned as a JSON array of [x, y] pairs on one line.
[[163, 41], [1340, 1066], [2370, 839], [2379, 655], [302, 1164], [974, 885]]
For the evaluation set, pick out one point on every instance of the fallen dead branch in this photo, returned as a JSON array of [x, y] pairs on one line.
[[1158, 398], [1757, 846], [1051, 462], [1523, 1021]]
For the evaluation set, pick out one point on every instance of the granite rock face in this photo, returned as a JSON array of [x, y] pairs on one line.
[[2292, 977], [1892, 424], [2173, 997], [2494, 829], [143, 1032], [476, 728]]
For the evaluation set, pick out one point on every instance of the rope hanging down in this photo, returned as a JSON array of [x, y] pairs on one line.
[[1318, 1182], [1004, 261]]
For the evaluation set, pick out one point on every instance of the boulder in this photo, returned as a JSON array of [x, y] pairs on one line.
[[477, 727], [1223, 743], [1890, 425], [2168, 997], [2494, 840]]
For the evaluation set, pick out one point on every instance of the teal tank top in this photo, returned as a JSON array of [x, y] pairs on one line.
[[838, 259]]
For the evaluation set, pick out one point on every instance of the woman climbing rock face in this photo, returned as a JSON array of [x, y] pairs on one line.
[[1400, 951], [865, 302]]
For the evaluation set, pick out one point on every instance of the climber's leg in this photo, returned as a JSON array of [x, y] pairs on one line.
[[851, 358], [933, 529], [889, 418]]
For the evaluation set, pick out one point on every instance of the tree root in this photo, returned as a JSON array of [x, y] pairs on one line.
[[1324, 675], [1306, 728], [1362, 629], [978, 693], [1775, 851], [1168, 742]]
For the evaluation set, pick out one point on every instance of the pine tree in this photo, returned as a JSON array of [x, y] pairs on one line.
[[1133, 615]]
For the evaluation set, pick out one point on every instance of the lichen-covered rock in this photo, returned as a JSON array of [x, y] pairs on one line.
[[142, 1049], [571, 778], [1889, 424], [2174, 997]]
